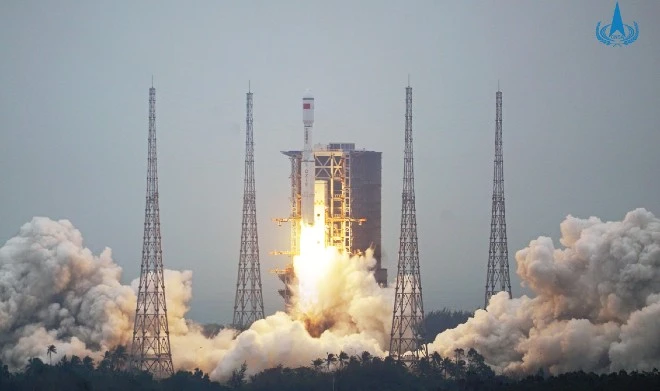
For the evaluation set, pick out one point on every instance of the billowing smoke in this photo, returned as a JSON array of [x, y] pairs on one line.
[[53, 290], [344, 310], [597, 304], [334, 291]]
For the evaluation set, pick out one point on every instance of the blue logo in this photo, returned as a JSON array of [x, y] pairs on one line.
[[617, 33]]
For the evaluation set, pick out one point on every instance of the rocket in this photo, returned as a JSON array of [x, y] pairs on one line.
[[307, 167], [320, 193]]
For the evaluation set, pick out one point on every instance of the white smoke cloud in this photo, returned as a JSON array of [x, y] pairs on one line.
[[350, 303], [53, 290], [597, 306], [279, 339]]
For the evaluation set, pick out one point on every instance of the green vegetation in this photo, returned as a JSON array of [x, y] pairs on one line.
[[465, 371], [436, 322]]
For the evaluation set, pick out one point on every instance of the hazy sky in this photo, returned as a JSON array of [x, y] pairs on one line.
[[581, 123]]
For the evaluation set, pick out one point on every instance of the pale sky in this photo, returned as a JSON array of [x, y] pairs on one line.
[[581, 123]]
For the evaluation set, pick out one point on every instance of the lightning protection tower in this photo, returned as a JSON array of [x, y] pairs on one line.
[[249, 303], [497, 277], [407, 336], [150, 350]]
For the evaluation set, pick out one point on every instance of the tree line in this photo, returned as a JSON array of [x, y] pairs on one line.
[[463, 371]]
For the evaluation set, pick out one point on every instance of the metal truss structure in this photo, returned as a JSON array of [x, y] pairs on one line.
[[407, 335], [497, 276], [150, 350], [248, 303]]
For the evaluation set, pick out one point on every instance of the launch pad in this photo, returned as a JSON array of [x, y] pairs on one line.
[[352, 199], [343, 194]]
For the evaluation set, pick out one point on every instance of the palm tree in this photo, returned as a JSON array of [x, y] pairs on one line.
[[88, 363], [354, 361], [436, 359], [342, 358], [388, 361], [64, 361], [446, 365], [49, 351], [458, 354], [317, 363], [331, 359], [75, 361], [105, 363], [365, 357], [423, 366], [119, 357], [459, 367], [34, 367], [238, 377]]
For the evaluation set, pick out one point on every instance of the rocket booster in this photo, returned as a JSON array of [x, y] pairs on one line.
[[307, 167]]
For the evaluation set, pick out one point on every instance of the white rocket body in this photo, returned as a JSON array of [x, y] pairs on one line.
[[320, 192], [307, 167]]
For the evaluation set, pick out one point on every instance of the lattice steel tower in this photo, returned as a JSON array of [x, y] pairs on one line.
[[497, 277], [249, 302], [407, 336], [150, 350]]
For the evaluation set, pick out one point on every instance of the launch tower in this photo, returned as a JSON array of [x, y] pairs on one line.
[[347, 181], [497, 276], [249, 303], [407, 336], [353, 200], [150, 350]]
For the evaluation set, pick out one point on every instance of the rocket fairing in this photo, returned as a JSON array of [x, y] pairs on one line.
[[308, 169]]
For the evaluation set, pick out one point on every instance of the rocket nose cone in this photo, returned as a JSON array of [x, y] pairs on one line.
[[308, 94]]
